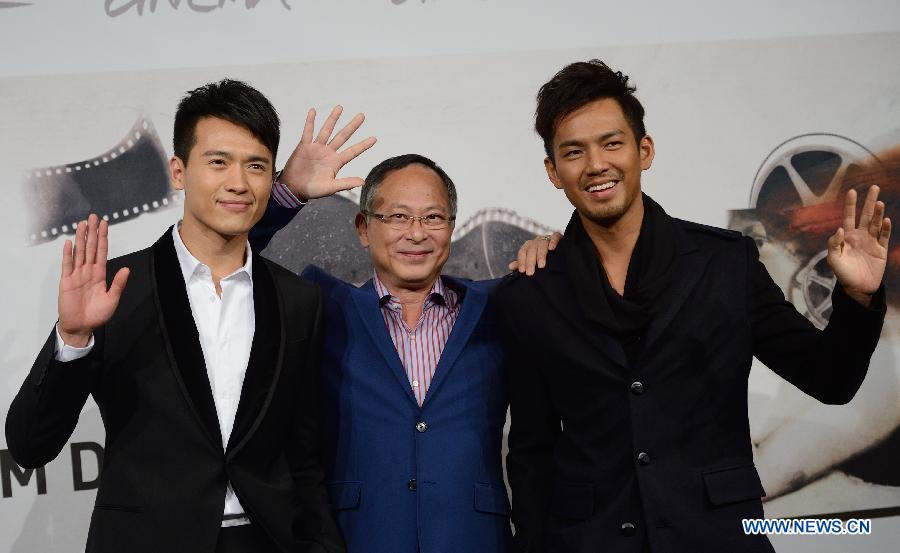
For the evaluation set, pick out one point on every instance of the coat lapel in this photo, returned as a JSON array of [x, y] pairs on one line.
[[563, 295], [473, 304], [366, 301], [693, 263], [180, 333], [264, 365]]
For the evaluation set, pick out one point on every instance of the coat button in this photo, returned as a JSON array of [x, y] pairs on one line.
[[644, 458], [628, 529], [421, 426], [637, 388], [411, 485]]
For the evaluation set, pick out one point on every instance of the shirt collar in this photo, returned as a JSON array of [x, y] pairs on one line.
[[439, 293], [191, 266]]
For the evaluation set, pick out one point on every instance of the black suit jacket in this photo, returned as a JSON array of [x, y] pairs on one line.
[[163, 480], [604, 455]]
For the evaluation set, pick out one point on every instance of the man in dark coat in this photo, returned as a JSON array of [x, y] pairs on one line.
[[631, 350]]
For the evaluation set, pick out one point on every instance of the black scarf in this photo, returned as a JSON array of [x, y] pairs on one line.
[[651, 273]]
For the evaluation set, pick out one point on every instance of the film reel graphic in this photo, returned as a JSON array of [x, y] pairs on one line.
[[121, 183], [803, 171]]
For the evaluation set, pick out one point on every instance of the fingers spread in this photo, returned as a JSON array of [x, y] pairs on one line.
[[90, 251], [868, 209], [885, 235], [328, 126], [353, 151], [102, 243], [850, 210], [67, 261], [80, 243], [308, 126], [877, 217], [344, 135]]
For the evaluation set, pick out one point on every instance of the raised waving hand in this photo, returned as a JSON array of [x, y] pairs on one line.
[[84, 302], [311, 171], [857, 253]]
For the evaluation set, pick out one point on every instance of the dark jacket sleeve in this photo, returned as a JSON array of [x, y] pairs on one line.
[[314, 526], [534, 430], [828, 364], [274, 219], [44, 413]]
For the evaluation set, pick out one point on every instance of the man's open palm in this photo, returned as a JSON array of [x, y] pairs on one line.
[[311, 171], [84, 301], [857, 253]]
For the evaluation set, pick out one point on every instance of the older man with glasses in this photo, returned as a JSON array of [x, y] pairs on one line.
[[414, 401]]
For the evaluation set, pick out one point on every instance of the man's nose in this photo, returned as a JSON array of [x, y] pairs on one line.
[[597, 162], [416, 230], [237, 181]]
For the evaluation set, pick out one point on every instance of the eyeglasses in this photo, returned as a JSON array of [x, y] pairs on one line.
[[402, 221]]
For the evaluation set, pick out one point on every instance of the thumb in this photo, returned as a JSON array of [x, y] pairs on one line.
[[347, 183], [836, 242], [118, 283]]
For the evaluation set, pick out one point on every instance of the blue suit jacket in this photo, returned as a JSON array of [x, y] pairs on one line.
[[398, 486]]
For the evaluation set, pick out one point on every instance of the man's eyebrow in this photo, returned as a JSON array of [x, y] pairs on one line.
[[229, 155], [603, 137]]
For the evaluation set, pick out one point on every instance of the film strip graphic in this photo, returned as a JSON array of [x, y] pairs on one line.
[[127, 180]]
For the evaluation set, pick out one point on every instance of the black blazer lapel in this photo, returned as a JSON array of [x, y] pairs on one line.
[[265, 356], [470, 312], [180, 332], [693, 264]]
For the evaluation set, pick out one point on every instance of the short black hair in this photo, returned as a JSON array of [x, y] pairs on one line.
[[380, 171], [581, 83], [231, 100]]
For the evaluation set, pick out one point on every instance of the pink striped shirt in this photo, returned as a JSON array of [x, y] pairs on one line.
[[420, 348]]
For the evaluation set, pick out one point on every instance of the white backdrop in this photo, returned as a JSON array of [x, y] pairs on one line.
[[723, 84]]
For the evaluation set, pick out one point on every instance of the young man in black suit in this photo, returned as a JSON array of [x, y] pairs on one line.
[[631, 350], [203, 366]]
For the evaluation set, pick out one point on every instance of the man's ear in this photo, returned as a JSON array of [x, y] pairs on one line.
[[550, 167], [647, 151], [362, 229], [176, 172]]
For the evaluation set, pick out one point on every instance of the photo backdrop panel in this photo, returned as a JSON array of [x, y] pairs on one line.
[[720, 113]]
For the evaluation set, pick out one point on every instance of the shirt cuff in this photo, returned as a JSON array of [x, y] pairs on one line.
[[283, 195], [65, 353]]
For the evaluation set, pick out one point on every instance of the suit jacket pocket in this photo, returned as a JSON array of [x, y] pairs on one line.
[[573, 501], [119, 528], [733, 484], [345, 495], [491, 498]]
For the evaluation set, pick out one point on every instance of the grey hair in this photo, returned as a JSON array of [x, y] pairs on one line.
[[380, 171]]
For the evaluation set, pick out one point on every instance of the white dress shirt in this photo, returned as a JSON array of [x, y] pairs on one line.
[[225, 325]]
